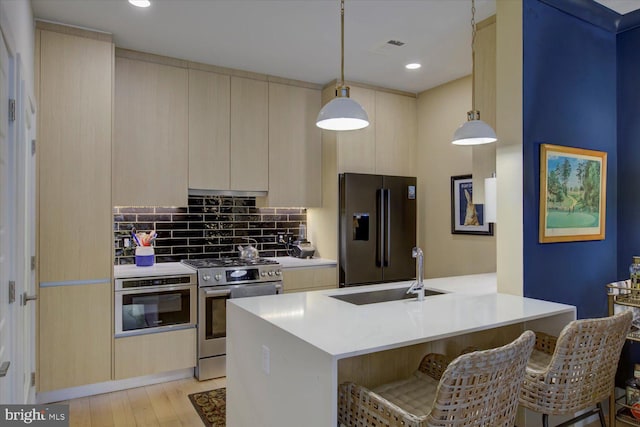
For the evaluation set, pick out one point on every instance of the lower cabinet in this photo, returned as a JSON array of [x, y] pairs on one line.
[[74, 337], [154, 353], [309, 279]]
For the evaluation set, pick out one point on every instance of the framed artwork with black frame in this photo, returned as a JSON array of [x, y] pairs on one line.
[[467, 217]]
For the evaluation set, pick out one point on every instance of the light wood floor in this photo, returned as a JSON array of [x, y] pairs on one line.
[[163, 404]]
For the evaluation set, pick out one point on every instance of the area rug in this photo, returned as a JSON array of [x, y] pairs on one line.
[[211, 406]]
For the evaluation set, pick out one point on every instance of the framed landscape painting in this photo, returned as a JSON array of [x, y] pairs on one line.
[[466, 217], [573, 184]]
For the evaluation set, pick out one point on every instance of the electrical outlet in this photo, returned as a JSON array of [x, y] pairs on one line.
[[284, 238], [266, 359], [126, 242]]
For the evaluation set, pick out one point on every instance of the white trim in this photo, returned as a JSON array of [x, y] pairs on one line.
[[111, 386]]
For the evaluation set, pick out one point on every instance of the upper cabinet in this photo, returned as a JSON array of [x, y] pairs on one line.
[[249, 134], [295, 150], [150, 147], [396, 134], [388, 145], [181, 126], [357, 148], [209, 130], [74, 157]]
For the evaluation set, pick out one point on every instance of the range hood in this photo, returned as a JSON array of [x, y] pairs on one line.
[[233, 193]]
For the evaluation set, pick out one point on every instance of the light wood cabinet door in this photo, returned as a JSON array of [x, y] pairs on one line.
[[150, 147], [74, 158], [154, 353], [249, 135], [309, 279], [357, 149], [295, 150], [74, 335], [209, 130], [396, 134]]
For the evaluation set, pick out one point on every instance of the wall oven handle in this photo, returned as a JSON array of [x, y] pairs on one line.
[[218, 293]]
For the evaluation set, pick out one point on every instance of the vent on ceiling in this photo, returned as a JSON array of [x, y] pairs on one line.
[[396, 43]]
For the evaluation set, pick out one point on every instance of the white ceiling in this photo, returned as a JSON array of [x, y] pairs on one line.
[[621, 6], [298, 39]]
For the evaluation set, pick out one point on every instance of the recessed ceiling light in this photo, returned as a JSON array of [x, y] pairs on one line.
[[413, 66], [140, 3]]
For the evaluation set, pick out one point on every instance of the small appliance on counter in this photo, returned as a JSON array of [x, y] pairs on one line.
[[300, 248]]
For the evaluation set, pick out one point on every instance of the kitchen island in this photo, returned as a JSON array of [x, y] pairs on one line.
[[286, 354]]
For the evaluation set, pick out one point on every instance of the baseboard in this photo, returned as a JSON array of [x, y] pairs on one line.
[[110, 386]]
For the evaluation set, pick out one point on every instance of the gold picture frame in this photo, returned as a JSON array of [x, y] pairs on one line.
[[573, 189]]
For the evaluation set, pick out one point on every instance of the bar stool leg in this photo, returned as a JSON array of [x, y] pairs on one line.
[[545, 420]]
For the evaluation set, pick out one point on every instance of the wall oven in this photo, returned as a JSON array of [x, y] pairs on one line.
[[155, 304]]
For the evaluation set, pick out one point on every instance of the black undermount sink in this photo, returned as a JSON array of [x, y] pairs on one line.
[[374, 297]]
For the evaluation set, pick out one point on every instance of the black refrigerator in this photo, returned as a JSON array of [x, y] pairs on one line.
[[377, 228]]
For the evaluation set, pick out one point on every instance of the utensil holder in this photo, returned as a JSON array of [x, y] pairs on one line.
[[145, 256]]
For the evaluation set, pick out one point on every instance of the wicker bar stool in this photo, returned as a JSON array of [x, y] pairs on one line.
[[476, 389], [575, 371]]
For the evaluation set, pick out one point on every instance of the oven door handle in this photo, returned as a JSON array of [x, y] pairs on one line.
[[218, 293], [151, 290]]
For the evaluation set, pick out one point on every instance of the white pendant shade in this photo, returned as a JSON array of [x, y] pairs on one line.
[[342, 114], [474, 132]]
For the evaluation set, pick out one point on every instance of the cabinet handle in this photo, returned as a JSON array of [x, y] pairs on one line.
[[4, 368], [221, 293]]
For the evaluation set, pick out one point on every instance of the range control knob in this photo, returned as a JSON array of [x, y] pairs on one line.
[[270, 273], [278, 272], [263, 273], [206, 277], [218, 277]]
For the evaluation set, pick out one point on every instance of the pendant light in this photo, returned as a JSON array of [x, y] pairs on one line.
[[342, 112], [474, 131]]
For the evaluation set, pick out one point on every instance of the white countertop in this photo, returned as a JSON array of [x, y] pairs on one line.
[[343, 330], [157, 269], [289, 262]]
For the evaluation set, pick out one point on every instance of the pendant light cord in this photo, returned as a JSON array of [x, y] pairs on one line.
[[473, 55], [342, 42]]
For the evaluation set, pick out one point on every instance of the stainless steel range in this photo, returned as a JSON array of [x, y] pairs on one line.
[[220, 279]]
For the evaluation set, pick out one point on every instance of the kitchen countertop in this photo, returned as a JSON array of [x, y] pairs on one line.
[[171, 268], [341, 329], [157, 269], [289, 262]]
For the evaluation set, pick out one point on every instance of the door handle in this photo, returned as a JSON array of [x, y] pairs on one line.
[[4, 368], [388, 225], [383, 222], [24, 298], [220, 293]]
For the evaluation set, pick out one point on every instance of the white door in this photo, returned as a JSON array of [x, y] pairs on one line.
[[25, 242], [7, 308]]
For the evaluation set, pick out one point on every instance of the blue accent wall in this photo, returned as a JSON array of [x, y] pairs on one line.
[[569, 98], [628, 149]]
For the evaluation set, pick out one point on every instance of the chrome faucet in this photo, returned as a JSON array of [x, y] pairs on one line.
[[418, 286]]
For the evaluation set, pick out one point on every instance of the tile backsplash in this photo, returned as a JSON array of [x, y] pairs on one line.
[[210, 227]]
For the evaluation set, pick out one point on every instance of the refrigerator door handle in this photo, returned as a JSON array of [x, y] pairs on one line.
[[387, 238], [380, 235]]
